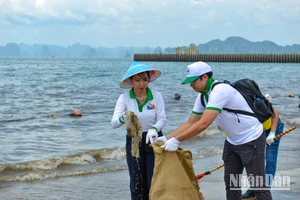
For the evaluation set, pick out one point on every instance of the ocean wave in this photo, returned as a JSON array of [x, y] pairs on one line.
[[212, 130], [84, 158], [41, 175], [214, 150], [294, 122], [85, 163], [4, 121]]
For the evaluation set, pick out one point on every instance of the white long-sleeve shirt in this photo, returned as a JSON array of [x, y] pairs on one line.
[[150, 114]]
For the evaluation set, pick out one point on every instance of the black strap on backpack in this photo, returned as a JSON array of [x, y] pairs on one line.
[[227, 109], [202, 96]]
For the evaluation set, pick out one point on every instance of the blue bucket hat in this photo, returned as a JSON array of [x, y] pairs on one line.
[[137, 68]]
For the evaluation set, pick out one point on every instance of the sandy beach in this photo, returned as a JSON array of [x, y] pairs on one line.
[[115, 185], [213, 187]]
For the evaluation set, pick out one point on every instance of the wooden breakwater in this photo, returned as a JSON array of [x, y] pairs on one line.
[[264, 58]]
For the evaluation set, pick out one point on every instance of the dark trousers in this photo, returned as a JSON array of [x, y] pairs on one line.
[[140, 169], [251, 156]]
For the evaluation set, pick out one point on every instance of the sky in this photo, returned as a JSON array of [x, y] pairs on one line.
[[139, 23]]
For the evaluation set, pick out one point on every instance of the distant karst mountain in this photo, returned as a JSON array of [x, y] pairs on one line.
[[232, 45]]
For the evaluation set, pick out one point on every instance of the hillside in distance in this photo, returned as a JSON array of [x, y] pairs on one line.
[[232, 45]]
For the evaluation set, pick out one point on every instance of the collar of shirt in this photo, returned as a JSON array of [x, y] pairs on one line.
[[209, 83], [149, 94]]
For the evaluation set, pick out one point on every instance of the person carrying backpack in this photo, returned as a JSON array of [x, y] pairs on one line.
[[273, 127], [245, 142]]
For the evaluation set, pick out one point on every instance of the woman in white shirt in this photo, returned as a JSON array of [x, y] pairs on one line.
[[148, 106]]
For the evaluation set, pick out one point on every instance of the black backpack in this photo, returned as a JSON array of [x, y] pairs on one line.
[[249, 89]]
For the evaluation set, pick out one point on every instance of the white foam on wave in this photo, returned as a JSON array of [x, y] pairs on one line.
[[293, 122], [41, 175], [84, 158], [117, 153], [212, 130], [214, 150], [80, 160]]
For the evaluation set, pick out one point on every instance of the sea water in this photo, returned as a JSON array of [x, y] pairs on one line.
[[64, 157]]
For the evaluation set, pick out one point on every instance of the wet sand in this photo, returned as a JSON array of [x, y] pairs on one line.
[[213, 187], [115, 185], [215, 190]]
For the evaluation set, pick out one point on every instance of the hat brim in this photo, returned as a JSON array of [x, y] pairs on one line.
[[126, 82], [189, 79]]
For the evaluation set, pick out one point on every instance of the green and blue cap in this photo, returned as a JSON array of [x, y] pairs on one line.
[[137, 68]]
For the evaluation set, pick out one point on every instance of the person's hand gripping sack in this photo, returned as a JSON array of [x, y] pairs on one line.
[[162, 139], [151, 136], [270, 138], [171, 145]]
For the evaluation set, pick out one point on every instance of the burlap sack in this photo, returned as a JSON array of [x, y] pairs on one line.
[[174, 177]]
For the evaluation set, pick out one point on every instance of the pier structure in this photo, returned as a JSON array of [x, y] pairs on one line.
[[189, 57]]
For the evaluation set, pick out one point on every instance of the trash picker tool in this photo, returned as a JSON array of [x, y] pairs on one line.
[[285, 132], [199, 176]]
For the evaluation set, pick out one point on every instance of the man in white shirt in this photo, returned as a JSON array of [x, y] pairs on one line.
[[245, 143]]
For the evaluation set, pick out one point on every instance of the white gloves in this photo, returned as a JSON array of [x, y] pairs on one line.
[[151, 136], [162, 139], [171, 144], [270, 139], [123, 118]]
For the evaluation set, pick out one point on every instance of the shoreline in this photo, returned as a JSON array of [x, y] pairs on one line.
[[115, 185]]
